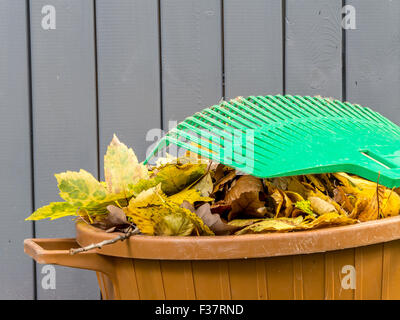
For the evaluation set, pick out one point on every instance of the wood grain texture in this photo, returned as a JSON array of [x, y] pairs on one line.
[[191, 57], [253, 47], [314, 48], [373, 57], [128, 72], [64, 122], [16, 269]]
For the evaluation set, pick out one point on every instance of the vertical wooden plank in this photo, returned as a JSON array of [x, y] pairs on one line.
[[391, 271], [16, 269], [64, 122], [298, 279], [280, 278], [373, 57], [211, 280], [369, 265], [313, 276], [125, 278], [244, 279], [253, 47], [128, 72], [149, 279], [314, 48], [178, 280], [191, 57]]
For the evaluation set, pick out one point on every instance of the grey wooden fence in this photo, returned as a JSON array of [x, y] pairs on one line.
[[127, 66]]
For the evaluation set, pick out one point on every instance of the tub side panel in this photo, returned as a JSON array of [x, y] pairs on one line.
[[178, 280], [313, 266], [211, 280], [149, 279], [391, 271], [368, 263], [244, 280], [280, 278]]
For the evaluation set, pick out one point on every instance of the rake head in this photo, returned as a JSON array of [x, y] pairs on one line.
[[275, 136]]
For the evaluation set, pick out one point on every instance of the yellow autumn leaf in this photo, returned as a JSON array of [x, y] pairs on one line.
[[149, 209], [176, 177], [174, 225], [190, 195], [366, 193], [121, 167], [327, 219], [243, 222], [272, 225], [150, 197], [204, 185]]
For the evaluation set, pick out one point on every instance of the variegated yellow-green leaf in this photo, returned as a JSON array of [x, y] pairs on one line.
[[53, 211], [121, 167], [80, 189]]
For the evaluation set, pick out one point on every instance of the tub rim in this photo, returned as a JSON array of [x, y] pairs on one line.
[[243, 246]]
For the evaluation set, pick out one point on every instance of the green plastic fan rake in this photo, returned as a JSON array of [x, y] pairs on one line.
[[275, 136]]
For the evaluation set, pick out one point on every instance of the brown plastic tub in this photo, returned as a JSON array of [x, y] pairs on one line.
[[298, 265]]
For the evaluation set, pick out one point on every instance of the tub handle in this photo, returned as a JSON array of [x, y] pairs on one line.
[[57, 251]]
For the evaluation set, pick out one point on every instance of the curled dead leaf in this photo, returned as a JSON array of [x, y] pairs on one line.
[[115, 218], [214, 221], [244, 197]]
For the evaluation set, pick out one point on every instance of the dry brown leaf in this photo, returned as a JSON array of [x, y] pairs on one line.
[[288, 205], [220, 183], [294, 196], [214, 221], [115, 218], [220, 207], [279, 199], [244, 197], [341, 198]]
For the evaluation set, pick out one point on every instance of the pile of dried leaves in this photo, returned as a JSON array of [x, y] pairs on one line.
[[192, 196]]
